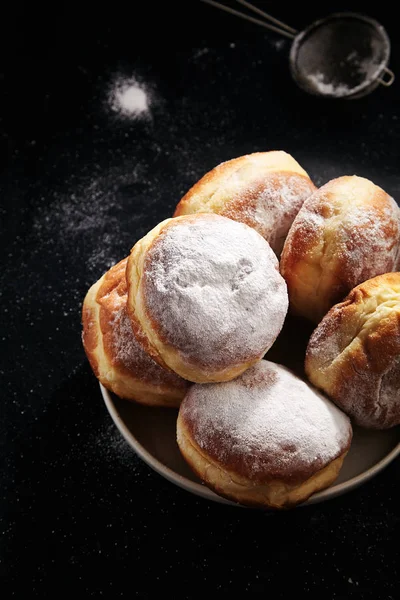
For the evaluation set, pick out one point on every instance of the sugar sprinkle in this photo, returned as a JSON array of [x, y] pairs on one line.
[[268, 421], [129, 98]]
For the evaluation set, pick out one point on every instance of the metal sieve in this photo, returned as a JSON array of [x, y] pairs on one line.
[[344, 55]]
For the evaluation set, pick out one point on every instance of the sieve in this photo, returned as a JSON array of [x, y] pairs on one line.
[[344, 55]]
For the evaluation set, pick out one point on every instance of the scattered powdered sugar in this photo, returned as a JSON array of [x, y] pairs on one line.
[[278, 44], [200, 52], [114, 449], [92, 217], [214, 288], [267, 423], [102, 255], [129, 98]]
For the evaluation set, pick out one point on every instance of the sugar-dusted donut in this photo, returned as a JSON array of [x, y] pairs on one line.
[[348, 231], [265, 190], [206, 295], [116, 357], [265, 439], [354, 353]]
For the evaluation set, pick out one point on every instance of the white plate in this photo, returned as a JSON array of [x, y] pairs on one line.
[[152, 434]]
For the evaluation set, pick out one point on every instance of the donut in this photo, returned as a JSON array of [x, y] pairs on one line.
[[265, 190], [116, 357], [348, 231], [206, 296], [265, 439], [354, 353]]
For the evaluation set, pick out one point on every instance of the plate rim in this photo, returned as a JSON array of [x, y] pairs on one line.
[[203, 491]]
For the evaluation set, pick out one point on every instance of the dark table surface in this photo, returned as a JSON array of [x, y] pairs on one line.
[[79, 185]]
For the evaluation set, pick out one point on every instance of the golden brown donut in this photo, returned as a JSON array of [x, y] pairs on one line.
[[265, 190], [348, 231], [206, 296], [264, 439], [116, 357], [354, 353]]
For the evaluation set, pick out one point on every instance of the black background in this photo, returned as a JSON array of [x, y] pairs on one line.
[[79, 185]]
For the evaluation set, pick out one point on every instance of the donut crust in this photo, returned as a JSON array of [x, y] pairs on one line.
[[265, 439], [148, 329], [237, 488], [348, 231], [354, 353], [136, 376], [264, 190]]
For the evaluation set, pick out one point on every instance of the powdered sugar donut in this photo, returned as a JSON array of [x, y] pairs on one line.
[[265, 190], [116, 357], [348, 231], [206, 296], [264, 439], [354, 353]]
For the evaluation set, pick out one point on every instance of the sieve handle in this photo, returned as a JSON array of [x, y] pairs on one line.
[[391, 77], [279, 27], [269, 17]]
